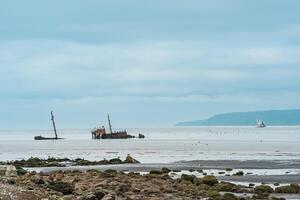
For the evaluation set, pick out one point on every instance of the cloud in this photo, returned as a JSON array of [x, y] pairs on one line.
[[58, 69], [159, 60]]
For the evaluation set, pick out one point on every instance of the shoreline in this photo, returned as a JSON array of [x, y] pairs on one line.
[[196, 165], [112, 185], [239, 178], [254, 171], [258, 171]]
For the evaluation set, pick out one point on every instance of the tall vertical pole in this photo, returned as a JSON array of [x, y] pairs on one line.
[[53, 122], [109, 124]]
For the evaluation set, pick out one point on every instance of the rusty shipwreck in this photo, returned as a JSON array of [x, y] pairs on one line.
[[54, 129], [101, 133]]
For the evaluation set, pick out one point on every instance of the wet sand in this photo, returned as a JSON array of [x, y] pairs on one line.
[[268, 179], [196, 165], [246, 164]]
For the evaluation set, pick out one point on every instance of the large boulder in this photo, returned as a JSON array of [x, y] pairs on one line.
[[292, 188], [186, 177], [130, 159], [2, 170], [8, 170], [263, 188], [210, 180]]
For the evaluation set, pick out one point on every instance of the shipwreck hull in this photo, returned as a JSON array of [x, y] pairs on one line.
[[116, 136], [101, 133], [45, 138]]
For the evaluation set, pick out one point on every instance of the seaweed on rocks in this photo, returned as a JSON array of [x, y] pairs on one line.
[[61, 162]]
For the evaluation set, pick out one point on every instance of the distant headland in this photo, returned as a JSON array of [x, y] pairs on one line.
[[271, 118]]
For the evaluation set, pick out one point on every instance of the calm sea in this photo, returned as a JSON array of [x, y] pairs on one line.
[[161, 145]]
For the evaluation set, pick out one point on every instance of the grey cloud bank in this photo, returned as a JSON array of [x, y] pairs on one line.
[[149, 64]]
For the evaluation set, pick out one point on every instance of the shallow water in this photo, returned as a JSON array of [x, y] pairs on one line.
[[161, 145]]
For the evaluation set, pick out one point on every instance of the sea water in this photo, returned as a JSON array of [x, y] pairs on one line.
[[161, 145]]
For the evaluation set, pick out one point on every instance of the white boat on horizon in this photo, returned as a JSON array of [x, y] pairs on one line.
[[260, 124]]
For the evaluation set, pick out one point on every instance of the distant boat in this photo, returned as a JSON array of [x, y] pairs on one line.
[[260, 124], [55, 132]]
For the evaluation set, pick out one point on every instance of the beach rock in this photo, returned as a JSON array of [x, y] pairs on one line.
[[278, 198], [151, 190], [88, 197], [11, 171], [8, 170], [292, 188], [226, 187], [213, 194], [111, 171], [209, 180], [123, 188], [189, 178], [239, 173], [229, 196], [11, 181], [130, 159], [99, 194], [37, 179], [2, 170], [94, 171], [264, 188], [63, 187], [134, 174], [165, 170], [115, 161], [109, 197], [21, 171], [261, 195], [67, 197], [197, 181], [108, 174], [156, 172]]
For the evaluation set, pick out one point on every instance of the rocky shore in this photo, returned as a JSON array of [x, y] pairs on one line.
[[64, 162], [113, 185], [98, 181]]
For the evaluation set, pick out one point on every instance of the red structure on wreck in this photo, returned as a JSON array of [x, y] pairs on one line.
[[100, 133]]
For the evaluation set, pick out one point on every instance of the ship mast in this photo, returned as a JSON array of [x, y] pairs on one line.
[[53, 122], [109, 124]]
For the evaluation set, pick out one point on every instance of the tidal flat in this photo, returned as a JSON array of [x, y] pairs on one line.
[[243, 156]]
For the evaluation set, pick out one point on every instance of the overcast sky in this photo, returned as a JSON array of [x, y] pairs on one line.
[[147, 63]]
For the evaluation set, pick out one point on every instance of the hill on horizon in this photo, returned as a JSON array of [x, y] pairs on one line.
[[271, 118]]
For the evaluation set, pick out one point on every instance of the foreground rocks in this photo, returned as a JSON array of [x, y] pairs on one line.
[[113, 185]]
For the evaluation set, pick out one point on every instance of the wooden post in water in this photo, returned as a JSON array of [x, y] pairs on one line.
[[53, 122], [109, 124]]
